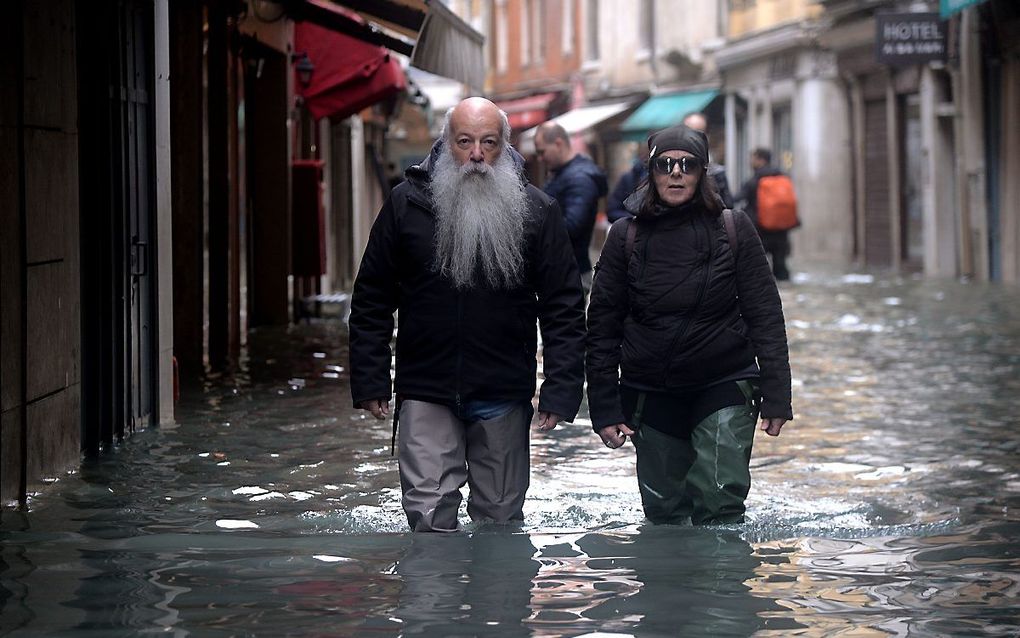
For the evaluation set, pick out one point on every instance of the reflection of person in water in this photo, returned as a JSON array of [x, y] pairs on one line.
[[459, 584], [691, 582]]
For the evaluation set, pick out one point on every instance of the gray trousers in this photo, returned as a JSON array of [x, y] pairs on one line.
[[439, 453]]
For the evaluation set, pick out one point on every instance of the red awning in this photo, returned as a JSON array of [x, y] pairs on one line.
[[527, 111], [349, 74], [433, 36]]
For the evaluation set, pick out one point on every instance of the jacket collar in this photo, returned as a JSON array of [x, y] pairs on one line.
[[633, 205]]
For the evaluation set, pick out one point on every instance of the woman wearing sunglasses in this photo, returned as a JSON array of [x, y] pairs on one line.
[[686, 340]]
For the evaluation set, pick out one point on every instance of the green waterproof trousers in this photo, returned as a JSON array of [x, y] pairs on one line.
[[705, 479]]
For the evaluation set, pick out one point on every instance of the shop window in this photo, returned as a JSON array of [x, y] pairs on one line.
[[591, 31], [782, 138]]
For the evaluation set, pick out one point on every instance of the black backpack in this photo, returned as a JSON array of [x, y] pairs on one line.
[[731, 232]]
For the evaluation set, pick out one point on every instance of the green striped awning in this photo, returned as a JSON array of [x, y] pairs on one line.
[[660, 111]]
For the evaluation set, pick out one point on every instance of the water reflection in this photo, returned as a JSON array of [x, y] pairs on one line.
[[890, 506], [645, 581], [651, 581], [466, 584]]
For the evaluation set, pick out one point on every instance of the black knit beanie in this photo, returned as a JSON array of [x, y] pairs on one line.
[[679, 138]]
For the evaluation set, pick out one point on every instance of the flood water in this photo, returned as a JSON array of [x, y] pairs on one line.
[[889, 507]]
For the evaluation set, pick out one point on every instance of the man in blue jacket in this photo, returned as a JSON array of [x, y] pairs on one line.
[[576, 184], [627, 184]]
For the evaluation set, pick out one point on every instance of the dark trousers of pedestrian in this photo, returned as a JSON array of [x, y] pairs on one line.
[[703, 479], [439, 453], [777, 244]]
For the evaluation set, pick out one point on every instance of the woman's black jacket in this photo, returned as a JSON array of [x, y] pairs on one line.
[[480, 343], [674, 316]]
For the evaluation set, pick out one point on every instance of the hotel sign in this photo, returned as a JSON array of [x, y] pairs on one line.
[[909, 38]]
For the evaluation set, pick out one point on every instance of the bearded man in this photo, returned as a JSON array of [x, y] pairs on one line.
[[470, 256]]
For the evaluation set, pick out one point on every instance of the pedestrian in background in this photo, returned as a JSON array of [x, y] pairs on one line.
[[638, 173], [577, 184], [686, 340], [769, 199], [469, 255], [627, 184], [699, 122]]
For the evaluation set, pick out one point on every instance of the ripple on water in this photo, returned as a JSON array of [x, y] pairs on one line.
[[888, 507]]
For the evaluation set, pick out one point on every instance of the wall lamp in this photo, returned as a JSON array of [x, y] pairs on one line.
[[304, 67]]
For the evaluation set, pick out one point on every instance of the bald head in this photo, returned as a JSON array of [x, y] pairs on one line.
[[552, 145], [551, 131], [476, 130], [696, 121], [475, 108]]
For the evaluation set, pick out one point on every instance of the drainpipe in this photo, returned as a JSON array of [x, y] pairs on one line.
[[733, 162], [965, 268], [653, 55], [972, 124], [892, 140], [19, 67], [857, 125], [163, 399]]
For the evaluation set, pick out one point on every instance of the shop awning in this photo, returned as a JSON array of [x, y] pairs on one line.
[[660, 111], [948, 7], [575, 121], [527, 112], [436, 40], [349, 75]]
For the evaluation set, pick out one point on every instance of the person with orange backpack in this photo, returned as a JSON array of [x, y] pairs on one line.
[[770, 201]]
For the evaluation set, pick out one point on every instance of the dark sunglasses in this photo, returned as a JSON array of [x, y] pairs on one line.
[[664, 165]]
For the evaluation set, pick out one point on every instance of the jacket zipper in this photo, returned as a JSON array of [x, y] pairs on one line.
[[681, 335], [644, 254], [460, 354], [413, 198]]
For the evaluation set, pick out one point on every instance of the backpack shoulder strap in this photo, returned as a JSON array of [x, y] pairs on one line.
[[631, 234], [731, 232]]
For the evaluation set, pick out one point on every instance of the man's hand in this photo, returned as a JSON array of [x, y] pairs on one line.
[[615, 435], [380, 409], [772, 426], [548, 420]]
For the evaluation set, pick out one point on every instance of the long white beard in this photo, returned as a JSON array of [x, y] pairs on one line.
[[480, 214]]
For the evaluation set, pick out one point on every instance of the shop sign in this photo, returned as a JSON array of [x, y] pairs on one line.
[[910, 38]]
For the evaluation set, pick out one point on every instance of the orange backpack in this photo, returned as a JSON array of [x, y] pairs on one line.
[[777, 203]]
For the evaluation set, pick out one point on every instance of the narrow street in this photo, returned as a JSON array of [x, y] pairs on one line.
[[191, 190], [890, 506]]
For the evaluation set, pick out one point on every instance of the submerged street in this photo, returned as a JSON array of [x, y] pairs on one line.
[[889, 506]]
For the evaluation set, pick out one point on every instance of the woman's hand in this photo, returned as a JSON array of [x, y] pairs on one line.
[[379, 408], [772, 426], [615, 435], [548, 420]]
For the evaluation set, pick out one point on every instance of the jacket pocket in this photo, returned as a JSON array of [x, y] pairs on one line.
[[727, 352]]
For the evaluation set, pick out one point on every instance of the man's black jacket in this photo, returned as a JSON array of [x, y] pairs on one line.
[[479, 343], [674, 315]]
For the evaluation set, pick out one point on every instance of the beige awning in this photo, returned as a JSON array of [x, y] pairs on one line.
[[447, 46], [429, 33], [575, 121]]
